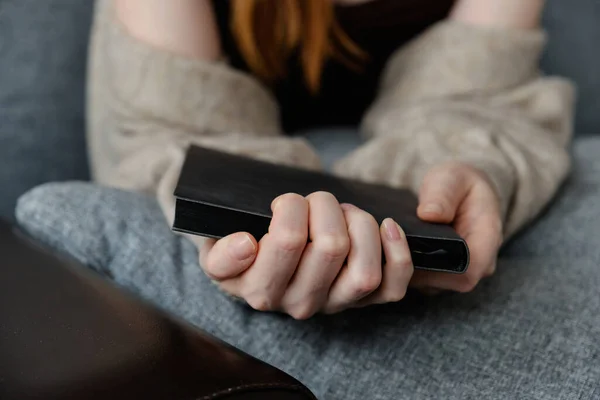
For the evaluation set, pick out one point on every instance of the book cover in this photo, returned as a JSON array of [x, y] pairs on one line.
[[219, 194]]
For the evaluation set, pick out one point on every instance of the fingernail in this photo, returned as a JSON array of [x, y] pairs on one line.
[[242, 248], [392, 230], [432, 208]]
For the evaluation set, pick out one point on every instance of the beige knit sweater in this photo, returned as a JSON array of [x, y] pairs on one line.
[[456, 92]]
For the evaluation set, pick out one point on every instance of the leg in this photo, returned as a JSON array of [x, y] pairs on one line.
[[530, 332]]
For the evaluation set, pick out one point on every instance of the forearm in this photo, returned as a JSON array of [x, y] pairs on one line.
[[147, 105], [466, 93], [514, 14], [518, 139], [184, 27]]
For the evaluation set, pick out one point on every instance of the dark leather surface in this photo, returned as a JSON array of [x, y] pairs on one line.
[[219, 194], [65, 333]]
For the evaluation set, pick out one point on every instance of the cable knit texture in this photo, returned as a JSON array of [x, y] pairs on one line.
[[455, 93]]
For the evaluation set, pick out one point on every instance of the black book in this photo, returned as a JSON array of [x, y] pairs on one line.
[[219, 194]]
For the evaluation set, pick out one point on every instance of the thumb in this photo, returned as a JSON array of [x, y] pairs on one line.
[[230, 256], [443, 189]]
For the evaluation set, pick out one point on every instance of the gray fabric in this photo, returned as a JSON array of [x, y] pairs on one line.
[[529, 332], [570, 227], [574, 31], [331, 144], [42, 66]]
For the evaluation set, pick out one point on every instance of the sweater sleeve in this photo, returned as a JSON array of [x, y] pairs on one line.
[[474, 95], [146, 106]]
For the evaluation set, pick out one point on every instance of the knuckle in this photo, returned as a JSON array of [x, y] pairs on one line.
[[301, 311], [260, 302], [490, 271], [359, 221], [332, 247], [290, 241], [403, 263], [320, 196], [406, 264], [291, 198], [468, 283], [395, 295], [365, 218], [366, 282], [289, 201], [465, 287], [210, 269]]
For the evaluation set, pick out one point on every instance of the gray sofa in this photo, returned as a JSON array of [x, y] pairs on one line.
[[42, 56]]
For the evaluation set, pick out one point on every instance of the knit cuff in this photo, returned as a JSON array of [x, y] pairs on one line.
[[500, 176], [402, 163]]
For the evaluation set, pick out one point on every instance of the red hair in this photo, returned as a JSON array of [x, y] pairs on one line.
[[268, 31]]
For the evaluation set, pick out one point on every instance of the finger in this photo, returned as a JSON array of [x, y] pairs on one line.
[[263, 285], [322, 258], [203, 244], [398, 268], [481, 227], [228, 257], [484, 237], [440, 194], [363, 272], [463, 283]]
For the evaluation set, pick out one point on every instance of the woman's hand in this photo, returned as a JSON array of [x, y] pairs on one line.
[[461, 195], [318, 256]]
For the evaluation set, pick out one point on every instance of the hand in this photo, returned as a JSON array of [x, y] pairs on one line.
[[318, 256], [461, 195]]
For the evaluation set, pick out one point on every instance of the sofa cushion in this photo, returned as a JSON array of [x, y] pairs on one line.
[[42, 48], [574, 29], [568, 229], [530, 331]]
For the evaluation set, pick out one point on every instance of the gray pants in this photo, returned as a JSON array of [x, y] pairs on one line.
[[530, 332]]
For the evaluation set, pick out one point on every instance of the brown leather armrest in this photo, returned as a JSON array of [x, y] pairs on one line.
[[65, 333]]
